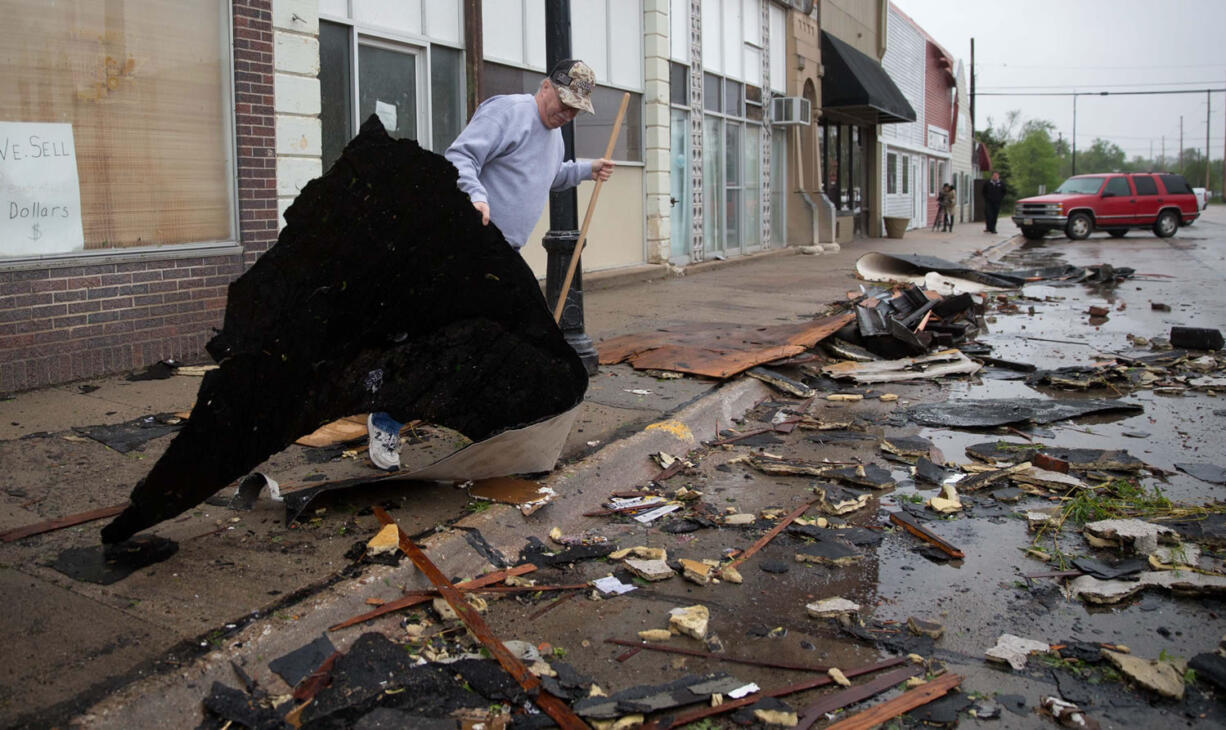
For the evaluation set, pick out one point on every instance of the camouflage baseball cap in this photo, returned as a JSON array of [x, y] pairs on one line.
[[574, 81]]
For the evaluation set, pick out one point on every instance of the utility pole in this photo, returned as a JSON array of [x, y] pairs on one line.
[[1180, 144], [1074, 133], [1208, 118], [973, 127], [1162, 161], [1222, 192]]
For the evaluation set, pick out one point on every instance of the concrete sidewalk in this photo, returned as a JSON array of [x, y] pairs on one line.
[[224, 596]]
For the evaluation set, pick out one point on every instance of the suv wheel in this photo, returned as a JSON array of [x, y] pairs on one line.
[[1120, 233], [1033, 233], [1079, 227], [1167, 224]]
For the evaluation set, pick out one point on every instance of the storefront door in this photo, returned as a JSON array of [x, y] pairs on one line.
[[679, 192]]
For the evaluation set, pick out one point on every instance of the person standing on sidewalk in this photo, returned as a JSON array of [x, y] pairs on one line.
[[509, 157], [993, 194]]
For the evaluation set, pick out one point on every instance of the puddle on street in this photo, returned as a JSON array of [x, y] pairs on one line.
[[986, 595]]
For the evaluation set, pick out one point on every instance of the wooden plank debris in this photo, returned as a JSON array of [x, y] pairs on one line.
[[60, 523], [770, 535], [852, 695], [551, 705], [421, 597], [908, 523], [905, 702], [728, 706], [638, 644]]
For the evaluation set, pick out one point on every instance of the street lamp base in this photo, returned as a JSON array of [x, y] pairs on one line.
[[559, 247]]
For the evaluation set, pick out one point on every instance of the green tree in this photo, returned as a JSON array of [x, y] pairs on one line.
[[1102, 156], [1033, 160]]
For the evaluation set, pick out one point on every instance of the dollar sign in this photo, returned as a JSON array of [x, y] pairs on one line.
[[36, 234]]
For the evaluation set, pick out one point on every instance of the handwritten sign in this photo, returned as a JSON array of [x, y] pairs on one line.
[[40, 194]]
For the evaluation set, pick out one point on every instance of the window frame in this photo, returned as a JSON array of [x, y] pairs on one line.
[[229, 245], [891, 173]]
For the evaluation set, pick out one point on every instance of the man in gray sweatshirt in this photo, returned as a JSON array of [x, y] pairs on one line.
[[510, 154], [509, 157]]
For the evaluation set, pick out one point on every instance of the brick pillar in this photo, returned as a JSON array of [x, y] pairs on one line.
[[254, 126]]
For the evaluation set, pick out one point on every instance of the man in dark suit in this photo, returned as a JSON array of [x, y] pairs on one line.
[[993, 194]]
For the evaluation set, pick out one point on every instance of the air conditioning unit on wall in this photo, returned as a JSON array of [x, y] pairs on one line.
[[790, 110]]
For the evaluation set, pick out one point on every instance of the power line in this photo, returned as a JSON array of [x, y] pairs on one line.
[[1073, 87], [1099, 93], [1065, 67]]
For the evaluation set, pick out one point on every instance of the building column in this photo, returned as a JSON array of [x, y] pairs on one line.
[[697, 242], [766, 147], [658, 129], [296, 107]]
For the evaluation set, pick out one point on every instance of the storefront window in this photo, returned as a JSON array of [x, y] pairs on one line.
[[779, 178], [139, 92], [712, 183], [732, 183], [751, 186], [392, 83]]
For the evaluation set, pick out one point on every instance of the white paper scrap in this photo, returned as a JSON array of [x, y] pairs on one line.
[[387, 115], [610, 584], [657, 512], [740, 692]]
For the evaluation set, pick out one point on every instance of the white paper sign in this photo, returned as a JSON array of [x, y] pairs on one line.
[[40, 194], [387, 114]]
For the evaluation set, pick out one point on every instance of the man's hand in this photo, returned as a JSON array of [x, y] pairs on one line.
[[602, 169], [484, 209]]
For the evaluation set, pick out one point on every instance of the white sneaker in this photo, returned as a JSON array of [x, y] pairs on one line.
[[384, 441]]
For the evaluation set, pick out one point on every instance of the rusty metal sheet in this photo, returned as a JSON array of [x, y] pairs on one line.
[[718, 351]]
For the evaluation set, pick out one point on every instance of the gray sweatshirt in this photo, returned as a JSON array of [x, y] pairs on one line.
[[508, 159]]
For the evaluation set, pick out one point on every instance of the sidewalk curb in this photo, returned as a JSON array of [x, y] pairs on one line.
[[995, 251], [152, 701]]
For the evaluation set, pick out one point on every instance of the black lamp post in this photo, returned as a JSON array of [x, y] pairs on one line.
[[563, 232]]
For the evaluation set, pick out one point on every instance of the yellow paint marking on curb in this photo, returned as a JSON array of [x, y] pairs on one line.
[[676, 428]]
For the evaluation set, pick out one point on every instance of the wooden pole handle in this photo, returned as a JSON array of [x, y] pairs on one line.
[[587, 218]]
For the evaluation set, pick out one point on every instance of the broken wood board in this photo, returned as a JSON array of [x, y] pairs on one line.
[[549, 704], [905, 702], [316, 329], [718, 657], [770, 535], [340, 431], [852, 695], [413, 600], [718, 352], [525, 495], [60, 523], [686, 718], [908, 523], [936, 365]]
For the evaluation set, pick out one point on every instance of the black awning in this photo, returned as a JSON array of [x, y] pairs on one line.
[[856, 89]]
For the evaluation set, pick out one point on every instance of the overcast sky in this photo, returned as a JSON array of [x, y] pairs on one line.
[[1092, 45]]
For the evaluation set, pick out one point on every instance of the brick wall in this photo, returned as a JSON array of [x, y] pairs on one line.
[[68, 322]]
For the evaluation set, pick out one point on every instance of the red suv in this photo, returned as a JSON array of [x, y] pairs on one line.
[[1113, 203]]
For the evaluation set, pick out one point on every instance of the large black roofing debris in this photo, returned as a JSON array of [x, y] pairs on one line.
[[383, 292]]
